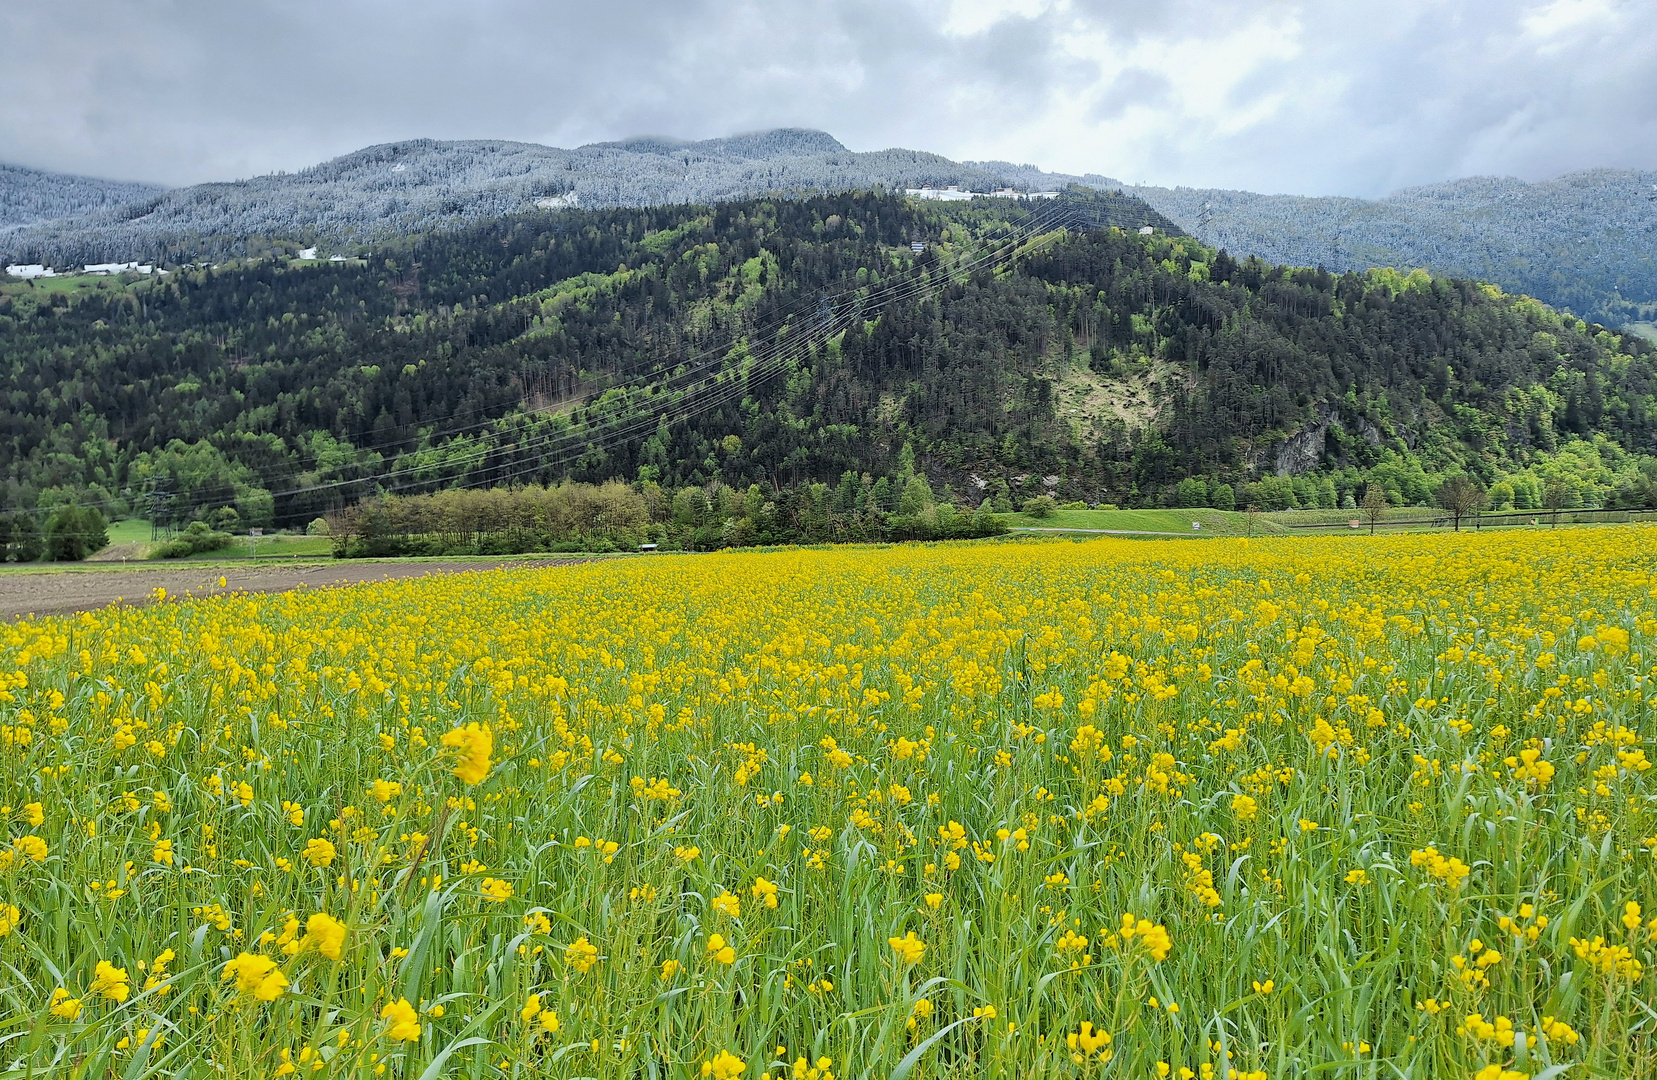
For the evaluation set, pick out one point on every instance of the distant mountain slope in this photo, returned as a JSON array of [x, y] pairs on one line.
[[1586, 241], [687, 346], [28, 196], [422, 185]]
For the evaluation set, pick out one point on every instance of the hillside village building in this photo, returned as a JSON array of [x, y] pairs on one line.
[[953, 193]]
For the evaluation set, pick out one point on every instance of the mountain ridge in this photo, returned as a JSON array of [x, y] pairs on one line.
[[1583, 241], [418, 185], [29, 196]]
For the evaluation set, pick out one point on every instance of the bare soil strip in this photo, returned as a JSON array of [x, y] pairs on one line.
[[66, 591]]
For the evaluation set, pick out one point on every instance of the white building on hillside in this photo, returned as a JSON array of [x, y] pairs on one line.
[[30, 270], [118, 268], [952, 193]]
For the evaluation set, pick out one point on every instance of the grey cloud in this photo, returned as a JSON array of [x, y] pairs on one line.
[[1136, 86], [1375, 96]]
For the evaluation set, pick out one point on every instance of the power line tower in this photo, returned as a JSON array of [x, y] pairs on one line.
[[161, 518]]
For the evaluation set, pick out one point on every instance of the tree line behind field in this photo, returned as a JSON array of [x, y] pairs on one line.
[[577, 517]]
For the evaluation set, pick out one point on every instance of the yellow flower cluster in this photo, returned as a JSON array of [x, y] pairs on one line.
[[907, 948], [1153, 937], [1445, 868], [402, 1023], [1617, 961], [472, 745], [724, 1066], [545, 1020], [256, 975], [1087, 1043]]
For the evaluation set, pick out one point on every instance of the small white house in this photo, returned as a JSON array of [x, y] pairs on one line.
[[307, 253], [1146, 230], [30, 270]]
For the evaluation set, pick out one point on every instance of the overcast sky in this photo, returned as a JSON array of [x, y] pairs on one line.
[[1313, 97]]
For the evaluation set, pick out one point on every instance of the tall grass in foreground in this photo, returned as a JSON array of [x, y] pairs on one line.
[[1283, 808]]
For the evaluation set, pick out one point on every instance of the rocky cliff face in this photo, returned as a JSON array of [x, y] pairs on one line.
[[1302, 452]]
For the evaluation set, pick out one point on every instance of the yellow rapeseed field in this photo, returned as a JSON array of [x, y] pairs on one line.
[[1222, 810]]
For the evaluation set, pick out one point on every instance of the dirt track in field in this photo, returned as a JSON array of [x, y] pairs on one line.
[[64, 592]]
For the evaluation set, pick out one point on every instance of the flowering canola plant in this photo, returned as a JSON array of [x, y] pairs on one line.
[[1114, 808]]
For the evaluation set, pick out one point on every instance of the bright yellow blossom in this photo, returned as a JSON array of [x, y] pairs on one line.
[[255, 975], [908, 948], [402, 1023], [472, 745]]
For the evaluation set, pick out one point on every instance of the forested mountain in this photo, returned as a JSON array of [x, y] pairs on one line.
[[28, 196], [394, 190], [1586, 242], [782, 343]]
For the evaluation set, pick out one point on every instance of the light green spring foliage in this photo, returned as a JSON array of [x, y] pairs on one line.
[[1310, 806]]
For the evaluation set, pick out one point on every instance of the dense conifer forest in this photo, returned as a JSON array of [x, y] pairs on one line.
[[991, 353]]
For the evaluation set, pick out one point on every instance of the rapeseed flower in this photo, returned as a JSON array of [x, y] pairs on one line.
[[724, 1066], [908, 948], [257, 976], [325, 934], [718, 948], [110, 982], [32, 848], [1153, 937], [319, 851], [472, 745], [1087, 1043], [63, 1006], [544, 1021], [402, 1023], [581, 954]]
